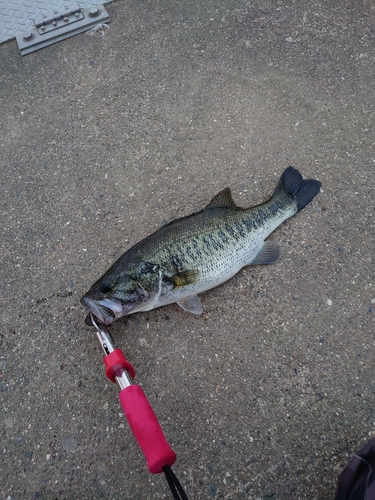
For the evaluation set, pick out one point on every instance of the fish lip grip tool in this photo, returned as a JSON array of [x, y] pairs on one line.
[[137, 409], [141, 417]]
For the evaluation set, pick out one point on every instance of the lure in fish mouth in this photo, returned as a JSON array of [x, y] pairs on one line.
[[193, 254]]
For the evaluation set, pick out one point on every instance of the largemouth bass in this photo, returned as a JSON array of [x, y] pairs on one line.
[[193, 254]]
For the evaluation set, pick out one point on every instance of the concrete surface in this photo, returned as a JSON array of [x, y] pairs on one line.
[[270, 391]]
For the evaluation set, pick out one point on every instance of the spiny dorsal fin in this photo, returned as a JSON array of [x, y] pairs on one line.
[[222, 200]]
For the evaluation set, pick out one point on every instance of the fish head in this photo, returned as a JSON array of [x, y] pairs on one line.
[[117, 294]]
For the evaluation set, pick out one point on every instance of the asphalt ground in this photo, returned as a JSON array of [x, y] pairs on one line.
[[103, 139]]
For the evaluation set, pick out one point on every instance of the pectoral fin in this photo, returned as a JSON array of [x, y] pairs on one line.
[[269, 253], [191, 304], [184, 278]]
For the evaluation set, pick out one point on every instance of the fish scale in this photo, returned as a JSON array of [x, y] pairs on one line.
[[196, 253], [232, 249]]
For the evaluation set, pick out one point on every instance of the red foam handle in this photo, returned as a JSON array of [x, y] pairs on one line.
[[146, 429]]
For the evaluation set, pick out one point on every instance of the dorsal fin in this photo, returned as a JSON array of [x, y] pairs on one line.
[[222, 200]]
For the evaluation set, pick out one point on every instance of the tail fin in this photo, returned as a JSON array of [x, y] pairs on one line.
[[292, 184]]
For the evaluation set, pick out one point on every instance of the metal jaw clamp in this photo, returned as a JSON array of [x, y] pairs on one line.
[[118, 369]]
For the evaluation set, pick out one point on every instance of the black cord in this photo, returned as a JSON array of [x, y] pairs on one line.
[[174, 484]]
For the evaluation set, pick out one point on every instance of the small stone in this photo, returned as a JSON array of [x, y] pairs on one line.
[[329, 302], [213, 490]]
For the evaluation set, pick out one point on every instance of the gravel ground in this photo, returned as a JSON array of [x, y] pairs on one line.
[[105, 138]]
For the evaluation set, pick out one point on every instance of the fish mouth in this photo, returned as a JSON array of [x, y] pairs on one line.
[[106, 310]]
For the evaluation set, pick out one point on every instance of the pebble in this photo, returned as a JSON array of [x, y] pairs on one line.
[[213, 490]]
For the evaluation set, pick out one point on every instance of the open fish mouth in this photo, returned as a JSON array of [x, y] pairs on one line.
[[106, 310]]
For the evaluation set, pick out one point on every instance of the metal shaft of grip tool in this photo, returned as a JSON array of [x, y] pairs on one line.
[[122, 375]]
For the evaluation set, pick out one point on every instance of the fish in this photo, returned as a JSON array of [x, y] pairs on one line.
[[196, 253]]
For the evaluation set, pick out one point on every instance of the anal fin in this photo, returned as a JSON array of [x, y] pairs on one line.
[[269, 253], [191, 304]]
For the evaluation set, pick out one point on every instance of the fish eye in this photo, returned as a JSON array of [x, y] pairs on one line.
[[105, 287]]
